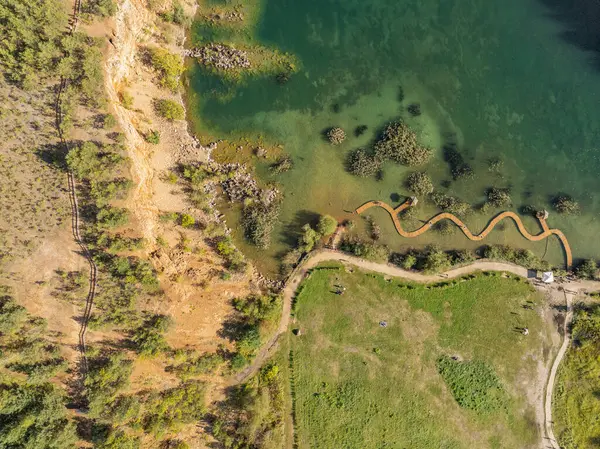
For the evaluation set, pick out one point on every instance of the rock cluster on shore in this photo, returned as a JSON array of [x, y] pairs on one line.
[[222, 57]]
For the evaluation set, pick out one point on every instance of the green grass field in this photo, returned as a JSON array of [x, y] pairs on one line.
[[577, 394], [450, 370]]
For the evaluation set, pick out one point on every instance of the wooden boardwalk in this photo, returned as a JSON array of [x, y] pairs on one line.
[[546, 231]]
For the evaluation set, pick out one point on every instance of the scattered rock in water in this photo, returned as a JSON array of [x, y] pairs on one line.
[[219, 56]]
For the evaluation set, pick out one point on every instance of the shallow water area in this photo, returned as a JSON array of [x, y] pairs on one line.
[[499, 80]]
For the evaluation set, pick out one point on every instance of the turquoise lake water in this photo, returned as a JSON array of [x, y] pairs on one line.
[[500, 79]]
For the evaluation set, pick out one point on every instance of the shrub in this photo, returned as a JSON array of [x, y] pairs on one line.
[[399, 144], [327, 225], [30, 39], [88, 160], [198, 365], [451, 204], [474, 384], [419, 183], [112, 217], [444, 227], [175, 15], [171, 408], [107, 376], [458, 167], [108, 121], [588, 269], [336, 135], [308, 239], [282, 165], [257, 308], [366, 250], [148, 338], [34, 416], [435, 260], [153, 137], [460, 257], [170, 67], [118, 439], [187, 221], [499, 197], [361, 163], [170, 109], [564, 204], [517, 256], [102, 8], [126, 99], [258, 220]]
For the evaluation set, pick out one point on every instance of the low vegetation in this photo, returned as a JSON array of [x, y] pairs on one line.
[[576, 404], [169, 109], [452, 362]]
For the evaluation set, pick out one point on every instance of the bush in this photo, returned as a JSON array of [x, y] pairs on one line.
[[112, 217], [118, 439], [108, 121], [361, 163], [170, 67], [435, 260], [126, 99], [366, 250], [566, 205], [588, 269], [170, 110], [499, 197], [399, 144], [107, 376], [308, 239], [171, 408], [88, 160], [175, 15], [34, 416], [149, 339], [102, 8], [336, 135], [187, 221], [451, 204], [521, 257], [419, 183], [199, 365], [282, 165], [327, 225], [474, 384], [30, 39], [257, 308], [258, 220], [153, 137]]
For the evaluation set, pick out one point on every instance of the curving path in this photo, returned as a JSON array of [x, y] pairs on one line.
[[552, 378], [546, 231], [326, 255]]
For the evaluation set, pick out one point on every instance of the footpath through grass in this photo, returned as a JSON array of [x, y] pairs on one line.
[[387, 364], [577, 394]]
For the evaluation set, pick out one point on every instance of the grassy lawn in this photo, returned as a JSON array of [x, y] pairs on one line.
[[448, 371], [577, 394]]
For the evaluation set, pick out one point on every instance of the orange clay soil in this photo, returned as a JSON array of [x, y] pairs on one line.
[[546, 231]]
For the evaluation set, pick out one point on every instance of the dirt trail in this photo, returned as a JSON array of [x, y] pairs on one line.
[[391, 270], [552, 378]]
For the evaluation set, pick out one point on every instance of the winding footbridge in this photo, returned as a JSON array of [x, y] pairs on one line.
[[541, 216]]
